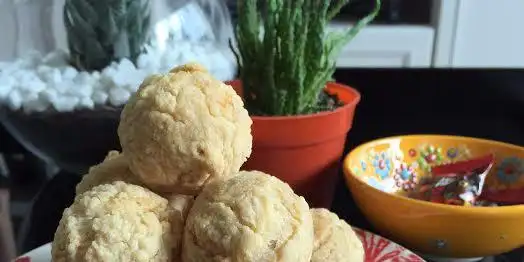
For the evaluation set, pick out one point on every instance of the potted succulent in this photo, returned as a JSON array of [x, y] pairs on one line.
[[98, 34], [62, 101], [286, 59]]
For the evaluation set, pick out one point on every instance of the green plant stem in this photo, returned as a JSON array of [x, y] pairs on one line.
[[284, 67], [100, 32]]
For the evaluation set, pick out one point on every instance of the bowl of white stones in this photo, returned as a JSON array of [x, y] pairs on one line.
[[69, 115]]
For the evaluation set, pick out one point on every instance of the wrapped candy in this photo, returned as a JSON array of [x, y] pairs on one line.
[[504, 197], [458, 183]]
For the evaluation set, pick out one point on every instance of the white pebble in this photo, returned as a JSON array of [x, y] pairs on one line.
[[143, 61], [22, 74], [51, 76], [62, 87], [69, 73], [6, 85], [99, 97], [34, 102], [43, 71], [108, 73], [149, 63], [84, 78], [183, 47], [32, 85], [105, 82], [86, 103], [80, 90], [124, 71], [126, 65], [49, 95], [65, 103], [35, 83], [26, 80], [3, 65], [118, 96], [11, 67], [28, 96], [224, 67], [199, 26], [171, 58], [95, 75], [187, 57], [14, 100], [135, 81]]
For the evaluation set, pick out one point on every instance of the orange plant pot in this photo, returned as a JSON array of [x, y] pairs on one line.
[[304, 150]]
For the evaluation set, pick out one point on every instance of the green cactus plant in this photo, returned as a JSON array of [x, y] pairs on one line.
[[100, 32], [286, 55]]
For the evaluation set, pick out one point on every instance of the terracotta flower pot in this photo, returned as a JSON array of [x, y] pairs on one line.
[[304, 150]]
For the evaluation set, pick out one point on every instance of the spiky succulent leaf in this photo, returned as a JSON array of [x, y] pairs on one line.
[[285, 67], [100, 32]]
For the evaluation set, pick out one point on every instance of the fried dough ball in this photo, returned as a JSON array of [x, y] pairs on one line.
[[114, 222], [113, 168], [189, 67], [335, 240], [179, 205], [249, 217], [184, 128]]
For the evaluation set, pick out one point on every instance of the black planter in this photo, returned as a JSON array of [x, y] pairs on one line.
[[74, 141]]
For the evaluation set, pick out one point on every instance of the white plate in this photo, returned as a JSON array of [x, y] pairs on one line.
[[378, 249]]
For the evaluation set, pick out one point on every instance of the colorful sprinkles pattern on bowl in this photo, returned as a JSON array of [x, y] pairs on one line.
[[393, 171], [424, 225]]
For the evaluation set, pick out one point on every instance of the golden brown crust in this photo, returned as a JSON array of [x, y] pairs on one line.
[[113, 168], [114, 222], [335, 240], [189, 67], [249, 217], [182, 129]]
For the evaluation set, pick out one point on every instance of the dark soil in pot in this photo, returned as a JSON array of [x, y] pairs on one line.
[[73, 140], [328, 102]]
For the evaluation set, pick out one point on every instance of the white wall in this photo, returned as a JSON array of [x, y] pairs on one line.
[[489, 33], [469, 33], [7, 31]]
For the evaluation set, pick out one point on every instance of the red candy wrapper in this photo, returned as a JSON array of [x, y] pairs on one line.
[[504, 197], [458, 183]]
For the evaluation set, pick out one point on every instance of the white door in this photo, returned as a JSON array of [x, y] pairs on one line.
[[388, 47], [480, 33]]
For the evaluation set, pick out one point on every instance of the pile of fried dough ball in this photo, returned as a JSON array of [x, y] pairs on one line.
[[175, 192]]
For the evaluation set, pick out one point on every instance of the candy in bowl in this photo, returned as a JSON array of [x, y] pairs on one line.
[[445, 196]]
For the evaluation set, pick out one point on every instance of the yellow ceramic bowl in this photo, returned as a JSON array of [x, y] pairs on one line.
[[432, 228]]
